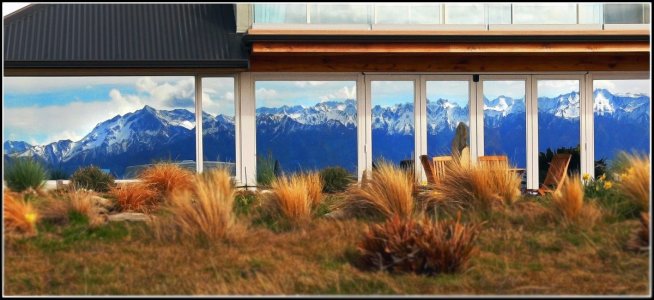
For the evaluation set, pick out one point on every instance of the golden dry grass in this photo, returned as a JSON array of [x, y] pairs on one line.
[[19, 215], [136, 197], [643, 232], [167, 177], [568, 203], [474, 187], [57, 209], [204, 212], [635, 182], [387, 191], [314, 187], [289, 198]]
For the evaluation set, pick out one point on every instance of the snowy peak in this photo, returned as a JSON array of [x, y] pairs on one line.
[[11, 147]]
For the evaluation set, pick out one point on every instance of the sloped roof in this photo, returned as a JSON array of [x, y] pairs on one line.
[[123, 35]]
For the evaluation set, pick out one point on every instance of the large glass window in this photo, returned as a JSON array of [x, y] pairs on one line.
[[218, 127], [307, 125], [626, 13], [465, 14], [622, 119], [447, 109], [120, 124], [392, 121], [407, 14], [340, 13], [558, 123], [505, 120], [544, 13], [280, 13]]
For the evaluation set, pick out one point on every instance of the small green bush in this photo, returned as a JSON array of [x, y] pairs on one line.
[[24, 173], [335, 179], [92, 178], [265, 170], [58, 174], [602, 191]]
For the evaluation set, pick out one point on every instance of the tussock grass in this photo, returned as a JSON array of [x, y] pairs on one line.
[[422, 247], [79, 201], [20, 217], [569, 204], [635, 181], [25, 173], [137, 197], [387, 191], [314, 187], [203, 213], [293, 198], [167, 177], [643, 233], [474, 187]]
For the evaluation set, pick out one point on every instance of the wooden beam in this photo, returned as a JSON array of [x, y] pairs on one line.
[[286, 48], [450, 63]]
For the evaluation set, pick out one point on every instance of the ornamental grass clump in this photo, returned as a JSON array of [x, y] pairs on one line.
[[634, 182], [140, 197], [92, 178], [294, 198], [421, 247], [203, 213], [19, 215], [167, 177], [25, 173], [388, 191], [74, 201], [569, 206], [335, 179]]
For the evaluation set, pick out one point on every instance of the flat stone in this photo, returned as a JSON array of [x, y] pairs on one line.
[[101, 202], [129, 216]]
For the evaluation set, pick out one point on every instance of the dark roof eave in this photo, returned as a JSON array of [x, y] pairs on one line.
[[248, 39], [237, 64]]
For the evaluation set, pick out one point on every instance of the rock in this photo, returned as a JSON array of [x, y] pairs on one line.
[[129, 216], [102, 202]]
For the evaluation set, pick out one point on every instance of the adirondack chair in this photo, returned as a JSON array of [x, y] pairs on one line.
[[556, 173], [494, 161], [428, 166], [440, 166]]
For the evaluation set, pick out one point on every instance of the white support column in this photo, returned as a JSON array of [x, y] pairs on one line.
[[362, 132], [419, 126], [479, 121], [587, 146], [368, 122], [531, 92], [237, 129], [248, 130], [199, 159]]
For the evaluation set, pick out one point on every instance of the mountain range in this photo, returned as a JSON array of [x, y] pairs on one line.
[[325, 134]]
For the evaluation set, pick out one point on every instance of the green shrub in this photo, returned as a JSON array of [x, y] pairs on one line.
[[58, 174], [24, 173], [266, 170], [602, 191], [335, 179], [92, 178]]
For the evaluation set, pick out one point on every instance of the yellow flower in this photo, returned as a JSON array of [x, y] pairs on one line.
[[586, 176], [423, 182], [602, 177], [30, 217], [608, 185]]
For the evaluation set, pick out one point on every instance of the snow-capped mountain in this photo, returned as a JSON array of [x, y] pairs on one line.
[[11, 147]]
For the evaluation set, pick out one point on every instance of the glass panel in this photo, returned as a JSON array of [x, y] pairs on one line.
[[408, 14], [544, 13], [280, 13], [626, 13], [447, 108], [505, 120], [120, 124], [340, 13], [590, 13], [392, 121], [465, 14], [558, 123], [499, 13], [307, 125], [218, 127], [621, 117]]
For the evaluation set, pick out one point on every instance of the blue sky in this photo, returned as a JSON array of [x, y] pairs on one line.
[[306, 93], [455, 91], [389, 93]]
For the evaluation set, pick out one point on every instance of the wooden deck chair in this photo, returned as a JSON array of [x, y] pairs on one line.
[[556, 173], [494, 161], [428, 166], [440, 166]]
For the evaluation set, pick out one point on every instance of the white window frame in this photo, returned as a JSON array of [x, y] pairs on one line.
[[249, 109], [199, 146], [472, 110], [418, 108], [582, 118], [589, 129], [531, 165]]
